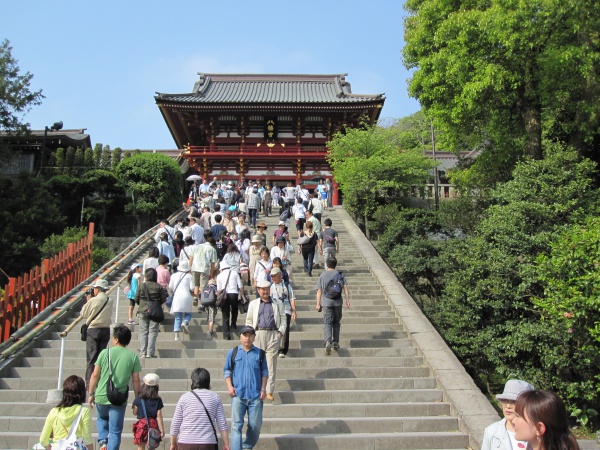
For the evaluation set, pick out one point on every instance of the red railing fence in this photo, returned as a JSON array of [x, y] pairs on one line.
[[24, 297]]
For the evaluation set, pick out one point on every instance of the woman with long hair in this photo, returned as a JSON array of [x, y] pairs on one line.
[[307, 242], [541, 420], [61, 417], [233, 257]]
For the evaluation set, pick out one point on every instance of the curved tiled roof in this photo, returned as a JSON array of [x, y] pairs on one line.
[[261, 88]]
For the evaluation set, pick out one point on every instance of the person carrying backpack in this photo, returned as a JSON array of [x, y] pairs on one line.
[[330, 287], [246, 374]]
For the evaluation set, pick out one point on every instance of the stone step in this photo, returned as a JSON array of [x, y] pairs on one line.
[[282, 385], [375, 392], [304, 441], [270, 410], [283, 371], [281, 397]]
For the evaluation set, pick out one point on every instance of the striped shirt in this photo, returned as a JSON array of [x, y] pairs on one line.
[[190, 423]]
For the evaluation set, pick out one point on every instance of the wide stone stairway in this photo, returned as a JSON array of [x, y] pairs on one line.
[[376, 392]]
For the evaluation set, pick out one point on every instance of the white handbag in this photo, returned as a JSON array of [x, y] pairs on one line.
[[71, 442]]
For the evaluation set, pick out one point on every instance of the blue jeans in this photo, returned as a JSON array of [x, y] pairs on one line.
[[239, 407], [178, 316], [308, 260], [252, 213], [110, 424]]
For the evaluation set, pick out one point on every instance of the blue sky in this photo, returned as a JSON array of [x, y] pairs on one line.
[[100, 63]]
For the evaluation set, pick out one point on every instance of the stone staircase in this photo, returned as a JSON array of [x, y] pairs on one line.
[[376, 392]]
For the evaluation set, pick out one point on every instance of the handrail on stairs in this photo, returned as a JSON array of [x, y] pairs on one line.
[[61, 308]]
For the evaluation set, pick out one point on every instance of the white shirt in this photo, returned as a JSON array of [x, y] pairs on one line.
[[299, 211], [182, 297], [197, 233], [260, 270], [235, 282]]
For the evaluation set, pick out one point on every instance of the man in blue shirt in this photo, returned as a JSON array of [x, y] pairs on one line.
[[246, 381]]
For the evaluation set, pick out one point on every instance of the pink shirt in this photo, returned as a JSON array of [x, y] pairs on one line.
[[163, 276]]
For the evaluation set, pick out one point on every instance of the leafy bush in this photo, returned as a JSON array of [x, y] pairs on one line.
[[56, 243]]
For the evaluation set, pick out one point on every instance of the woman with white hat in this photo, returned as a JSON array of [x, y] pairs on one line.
[[501, 435], [229, 279], [181, 286]]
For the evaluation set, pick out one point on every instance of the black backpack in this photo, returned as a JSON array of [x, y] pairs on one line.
[[234, 353], [334, 288]]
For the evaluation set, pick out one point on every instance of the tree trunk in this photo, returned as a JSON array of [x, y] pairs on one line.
[[367, 231], [532, 121]]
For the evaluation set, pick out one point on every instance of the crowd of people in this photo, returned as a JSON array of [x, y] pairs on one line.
[[218, 252]]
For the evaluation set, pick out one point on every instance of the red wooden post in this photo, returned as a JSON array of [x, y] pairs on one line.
[[8, 311], [89, 248], [335, 198]]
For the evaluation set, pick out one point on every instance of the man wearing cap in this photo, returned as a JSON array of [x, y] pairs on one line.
[[267, 317], [246, 381], [283, 293], [501, 435], [97, 313]]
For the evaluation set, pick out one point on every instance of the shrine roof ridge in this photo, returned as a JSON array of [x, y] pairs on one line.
[[271, 88]]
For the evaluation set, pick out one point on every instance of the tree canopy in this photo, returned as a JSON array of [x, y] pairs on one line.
[[371, 167], [507, 73], [153, 181], [16, 97]]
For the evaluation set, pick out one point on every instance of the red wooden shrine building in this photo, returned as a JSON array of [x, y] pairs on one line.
[[267, 127]]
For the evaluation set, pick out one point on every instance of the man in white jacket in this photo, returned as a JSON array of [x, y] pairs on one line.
[[268, 319]]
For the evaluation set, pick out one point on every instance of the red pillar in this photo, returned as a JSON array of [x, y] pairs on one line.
[[335, 199]]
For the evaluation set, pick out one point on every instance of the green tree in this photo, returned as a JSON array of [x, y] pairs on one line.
[[414, 132], [153, 182], [103, 188], [88, 158], [59, 157], [370, 168], [69, 160], [78, 161], [25, 220], [97, 156], [411, 244], [505, 73], [105, 159], [116, 158], [16, 97], [56, 243], [486, 313], [127, 154], [570, 305]]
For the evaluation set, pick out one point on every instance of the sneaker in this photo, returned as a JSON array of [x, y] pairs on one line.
[[270, 397], [184, 327], [201, 308], [195, 302], [282, 355], [142, 356], [177, 336], [336, 346], [131, 322], [102, 445], [328, 348]]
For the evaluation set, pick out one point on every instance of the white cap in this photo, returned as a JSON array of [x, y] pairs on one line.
[[151, 379]]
